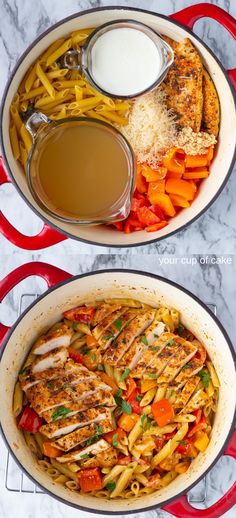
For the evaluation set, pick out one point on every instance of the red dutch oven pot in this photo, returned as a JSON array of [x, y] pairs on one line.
[[176, 26], [67, 291]]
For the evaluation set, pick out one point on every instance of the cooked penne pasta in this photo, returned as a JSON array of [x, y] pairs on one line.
[[123, 480], [170, 446], [214, 377], [17, 400]]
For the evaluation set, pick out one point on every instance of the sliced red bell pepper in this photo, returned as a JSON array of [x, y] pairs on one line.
[[201, 425], [159, 442], [184, 446], [131, 386], [74, 355], [30, 421], [198, 414], [80, 314], [158, 211], [118, 225], [131, 224], [147, 217], [90, 479], [170, 435], [134, 402]]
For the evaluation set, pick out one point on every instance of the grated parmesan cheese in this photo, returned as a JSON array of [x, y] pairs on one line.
[[151, 128]]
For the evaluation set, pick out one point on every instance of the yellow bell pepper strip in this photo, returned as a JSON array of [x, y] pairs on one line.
[[196, 160], [127, 422], [162, 412], [172, 162], [180, 187], [182, 467], [157, 226], [152, 175], [147, 385], [195, 175], [202, 442], [179, 201], [141, 184], [163, 200]]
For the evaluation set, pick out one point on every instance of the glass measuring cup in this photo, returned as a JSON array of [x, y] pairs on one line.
[[44, 186], [83, 59]]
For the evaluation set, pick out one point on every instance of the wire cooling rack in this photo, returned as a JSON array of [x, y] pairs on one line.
[[17, 482]]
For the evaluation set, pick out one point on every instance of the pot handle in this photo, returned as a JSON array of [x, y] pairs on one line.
[[192, 14], [182, 509], [46, 237], [51, 274]]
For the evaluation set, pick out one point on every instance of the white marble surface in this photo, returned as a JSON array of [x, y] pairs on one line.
[[213, 233]]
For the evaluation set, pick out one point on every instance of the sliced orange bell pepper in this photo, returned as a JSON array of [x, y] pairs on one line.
[[131, 386], [147, 385], [164, 201], [152, 175], [195, 175], [157, 226], [171, 174], [162, 412], [91, 342], [51, 451], [180, 187], [106, 379], [127, 422], [179, 201], [118, 432], [155, 187], [141, 184], [196, 160], [173, 163], [90, 479]]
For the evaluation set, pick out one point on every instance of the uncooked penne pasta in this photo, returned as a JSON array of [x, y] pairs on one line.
[[26, 137], [56, 54], [14, 141], [16, 118], [30, 79], [33, 93], [45, 80], [54, 46]]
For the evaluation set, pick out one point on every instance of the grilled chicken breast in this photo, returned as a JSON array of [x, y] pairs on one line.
[[140, 344], [52, 359], [100, 330], [82, 434], [42, 399], [69, 424], [150, 354], [184, 396], [198, 400], [58, 336], [116, 327], [183, 86], [93, 449], [184, 354], [103, 311], [70, 367], [211, 106], [190, 369], [135, 328], [95, 399]]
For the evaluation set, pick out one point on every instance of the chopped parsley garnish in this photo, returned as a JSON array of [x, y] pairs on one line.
[[162, 409], [60, 412], [184, 443], [205, 377], [118, 324], [144, 340], [96, 436], [115, 440], [119, 392], [186, 366], [139, 397], [74, 325], [187, 337], [24, 370], [148, 424], [93, 357], [100, 367], [124, 374], [107, 337], [171, 342], [85, 456], [180, 329], [85, 351], [125, 406], [154, 347], [110, 486], [155, 336], [151, 375], [143, 420], [49, 384]]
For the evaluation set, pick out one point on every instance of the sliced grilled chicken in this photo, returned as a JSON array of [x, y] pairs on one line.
[[198, 400], [184, 353], [116, 327], [125, 339], [58, 373], [190, 369], [140, 345], [101, 329], [104, 459], [93, 449], [58, 336], [69, 424], [103, 310], [150, 354], [189, 388], [53, 359], [74, 407], [80, 435], [43, 399]]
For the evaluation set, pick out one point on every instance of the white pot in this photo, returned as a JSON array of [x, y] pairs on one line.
[[152, 290], [223, 161]]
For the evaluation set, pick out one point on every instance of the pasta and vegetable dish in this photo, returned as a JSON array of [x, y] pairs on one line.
[[173, 129], [117, 398]]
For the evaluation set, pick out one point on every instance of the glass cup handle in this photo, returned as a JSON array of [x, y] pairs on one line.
[[34, 121], [71, 60], [169, 54]]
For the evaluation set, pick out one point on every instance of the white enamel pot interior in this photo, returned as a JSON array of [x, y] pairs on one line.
[[220, 169], [151, 290]]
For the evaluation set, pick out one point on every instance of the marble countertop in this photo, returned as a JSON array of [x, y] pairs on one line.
[[21, 22]]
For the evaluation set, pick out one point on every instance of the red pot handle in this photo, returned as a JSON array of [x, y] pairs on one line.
[[182, 509], [192, 14], [51, 274], [46, 237]]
